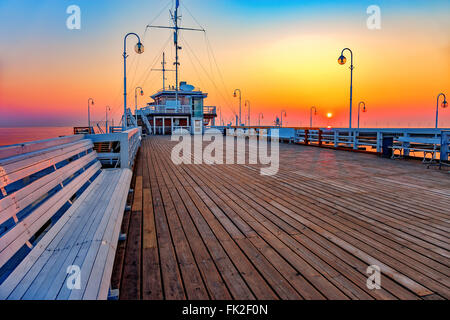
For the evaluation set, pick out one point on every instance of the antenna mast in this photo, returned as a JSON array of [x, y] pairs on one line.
[[176, 29], [163, 70]]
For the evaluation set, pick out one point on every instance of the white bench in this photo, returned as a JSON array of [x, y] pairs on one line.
[[428, 146], [59, 214]]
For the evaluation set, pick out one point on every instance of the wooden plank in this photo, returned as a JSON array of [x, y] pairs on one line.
[[130, 288], [15, 239], [151, 269], [55, 234], [75, 237], [18, 149], [19, 200], [17, 168], [107, 273], [308, 232]]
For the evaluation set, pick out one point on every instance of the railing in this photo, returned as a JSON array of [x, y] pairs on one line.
[[154, 109], [127, 144], [178, 129], [370, 140]]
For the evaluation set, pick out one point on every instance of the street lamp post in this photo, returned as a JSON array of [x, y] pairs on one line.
[[106, 126], [443, 105], [135, 101], [247, 104], [90, 102], [359, 109], [342, 60], [282, 112], [240, 102], [311, 115], [260, 116], [139, 48]]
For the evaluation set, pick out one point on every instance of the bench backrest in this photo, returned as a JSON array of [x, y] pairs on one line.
[[38, 183]]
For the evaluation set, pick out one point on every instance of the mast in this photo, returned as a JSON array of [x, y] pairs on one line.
[[176, 29], [175, 22], [163, 63]]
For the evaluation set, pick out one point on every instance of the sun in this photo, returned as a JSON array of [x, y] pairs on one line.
[[329, 115]]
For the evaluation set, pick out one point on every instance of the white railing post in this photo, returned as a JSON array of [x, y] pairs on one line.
[[355, 140], [406, 145]]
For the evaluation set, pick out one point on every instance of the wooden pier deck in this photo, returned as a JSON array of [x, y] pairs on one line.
[[310, 232]]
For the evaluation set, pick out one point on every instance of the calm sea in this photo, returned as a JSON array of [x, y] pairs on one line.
[[10, 136]]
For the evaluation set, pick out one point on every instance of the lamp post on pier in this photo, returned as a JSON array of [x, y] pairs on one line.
[[240, 102], [443, 105], [139, 48], [135, 101], [260, 116], [90, 102], [247, 104], [359, 109], [342, 60], [311, 115]]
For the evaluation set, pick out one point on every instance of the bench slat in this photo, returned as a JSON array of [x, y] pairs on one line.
[[99, 280], [16, 238], [71, 249], [29, 268], [18, 149], [22, 198], [14, 169]]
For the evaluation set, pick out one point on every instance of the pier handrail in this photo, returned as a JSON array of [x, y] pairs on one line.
[[356, 139], [129, 141]]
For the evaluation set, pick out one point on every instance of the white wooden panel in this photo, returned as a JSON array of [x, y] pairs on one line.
[[23, 271], [22, 198], [70, 250], [105, 283], [16, 238], [17, 149], [97, 261], [16, 168]]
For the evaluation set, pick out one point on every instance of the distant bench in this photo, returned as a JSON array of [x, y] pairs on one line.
[[429, 146], [60, 217]]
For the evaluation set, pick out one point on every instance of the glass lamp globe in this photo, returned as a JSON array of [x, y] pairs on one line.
[[444, 104], [342, 60], [364, 109], [139, 48], [142, 92]]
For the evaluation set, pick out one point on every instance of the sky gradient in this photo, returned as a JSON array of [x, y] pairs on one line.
[[281, 54]]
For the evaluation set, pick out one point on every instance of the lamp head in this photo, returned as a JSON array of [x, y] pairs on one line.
[[444, 104], [139, 48], [342, 60], [234, 94], [142, 92], [364, 109]]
